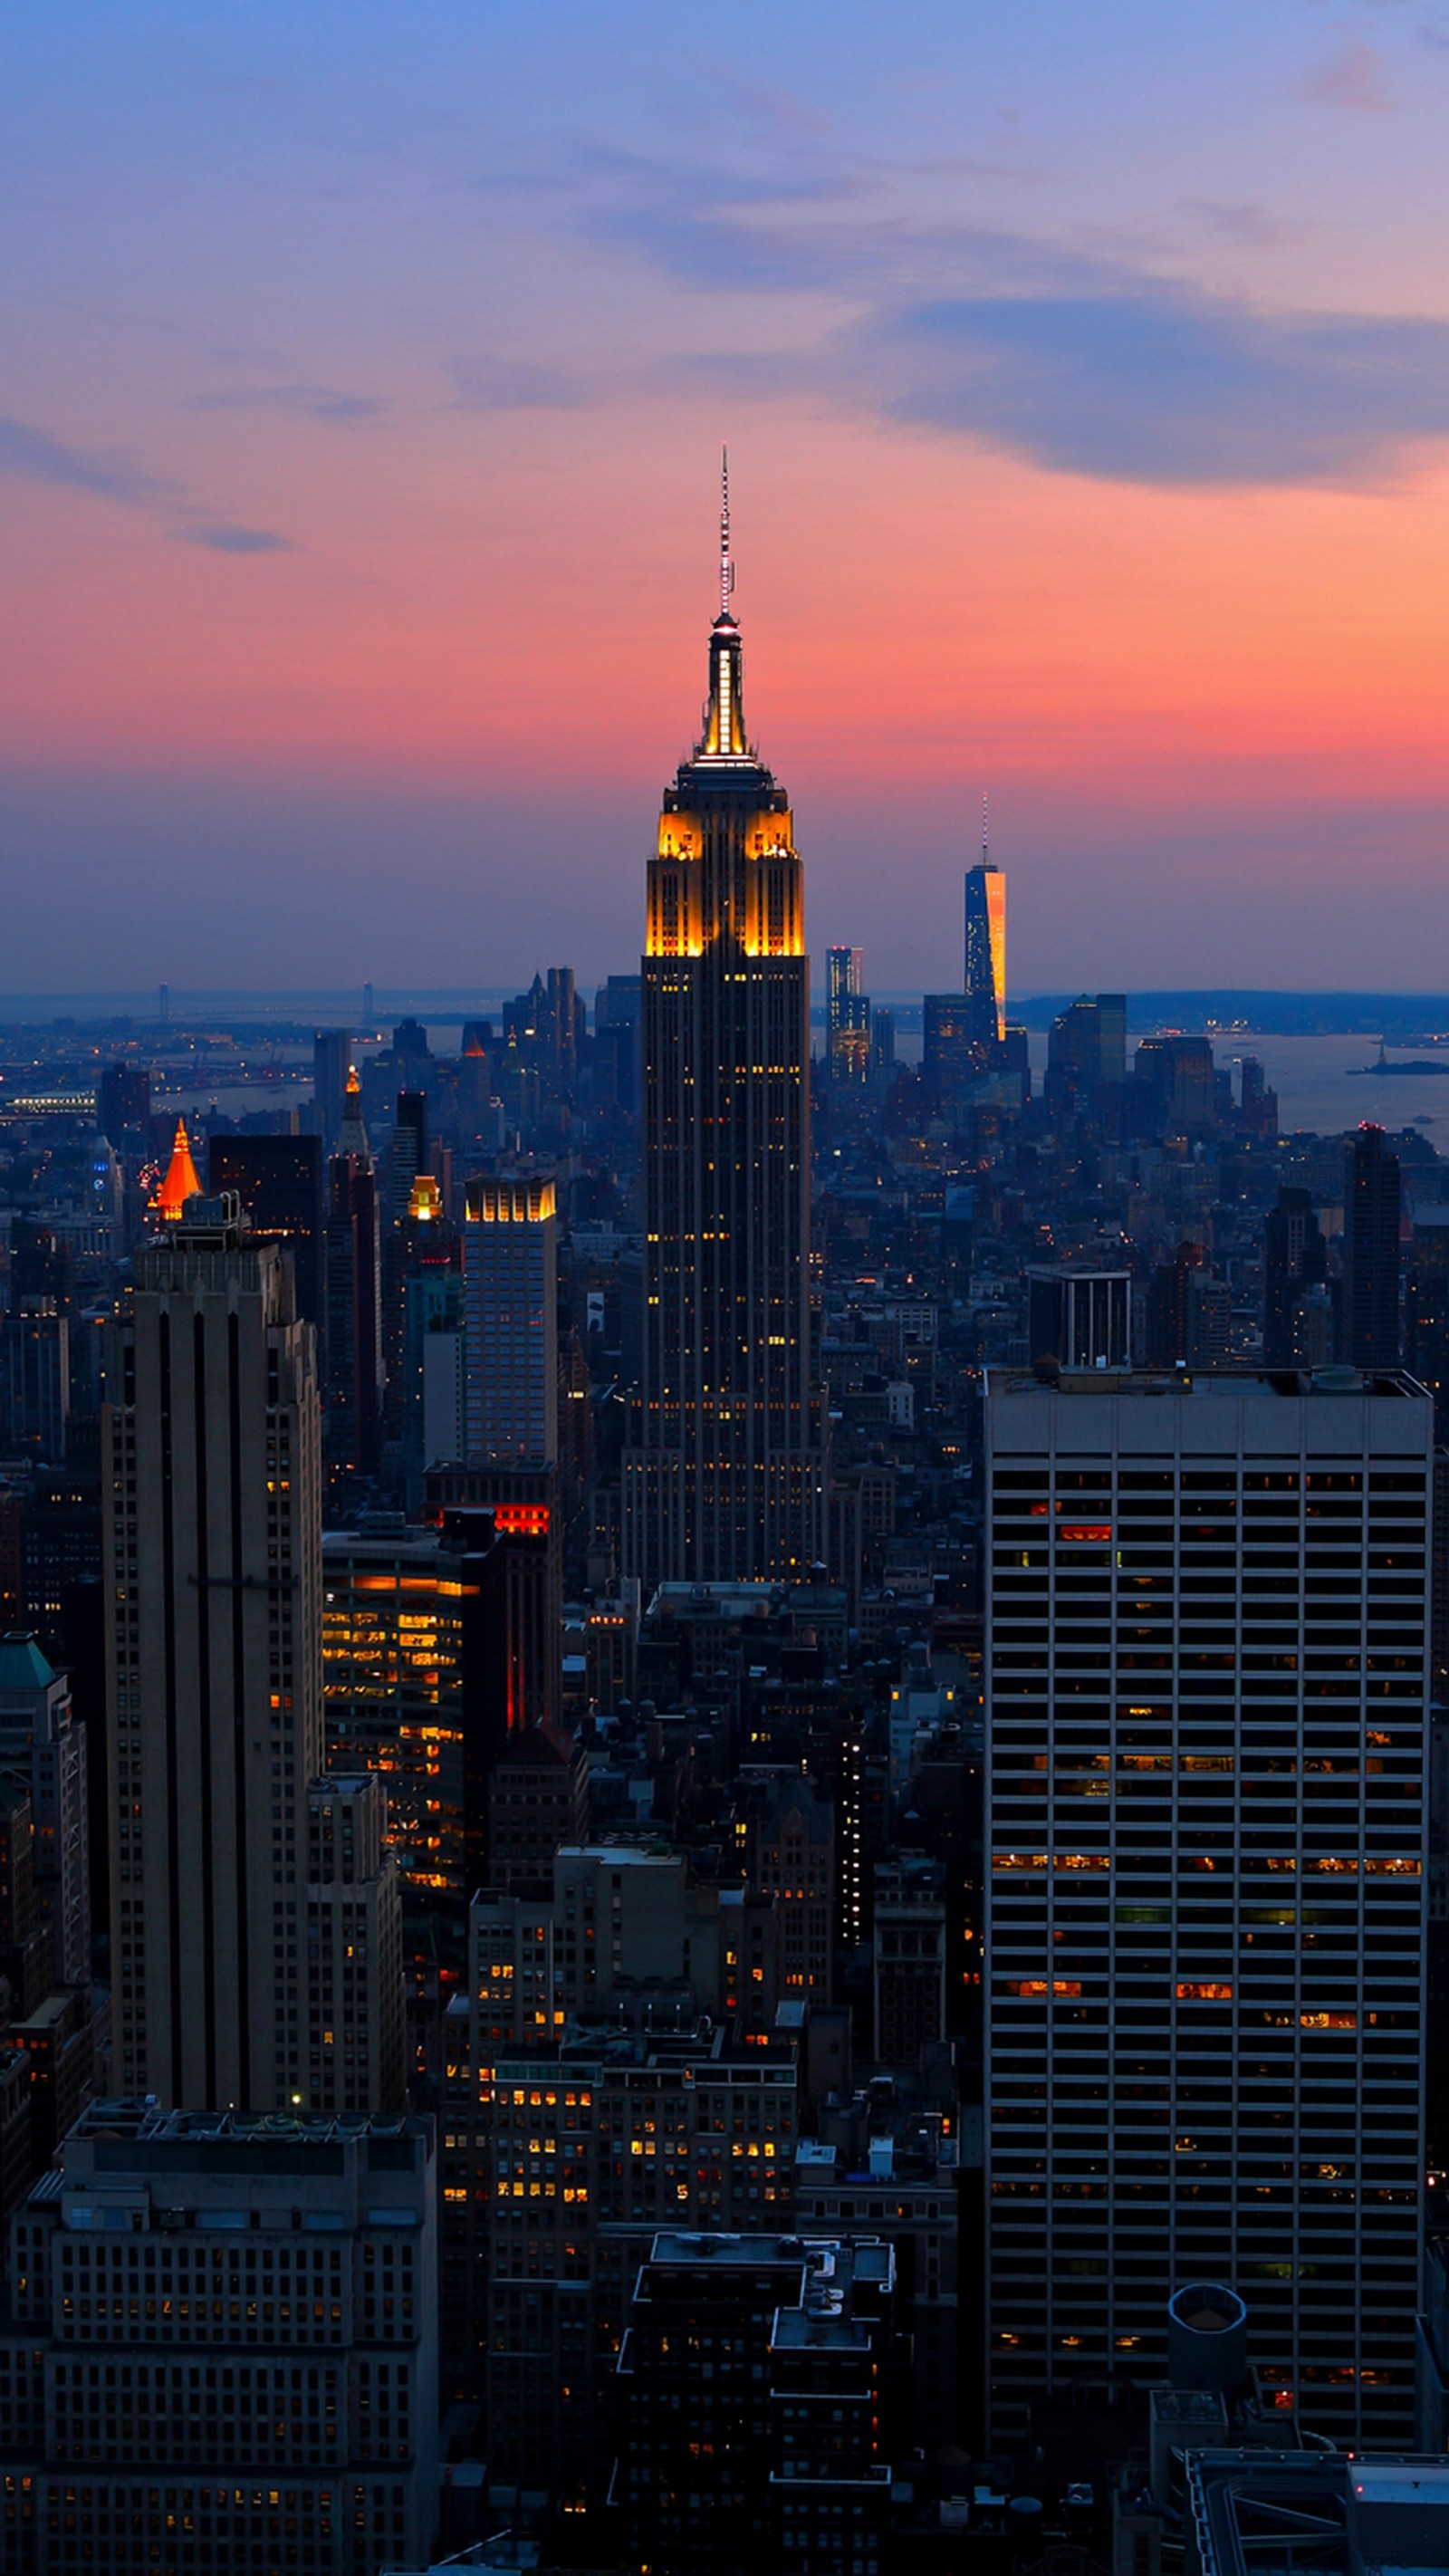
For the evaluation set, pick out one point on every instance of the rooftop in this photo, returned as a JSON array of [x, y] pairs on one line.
[[1277, 2513], [146, 2121], [1205, 1384], [22, 1665]]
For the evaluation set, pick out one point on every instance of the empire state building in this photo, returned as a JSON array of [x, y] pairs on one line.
[[728, 1481]]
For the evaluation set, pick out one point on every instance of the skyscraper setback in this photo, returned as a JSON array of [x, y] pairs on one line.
[[727, 1479]]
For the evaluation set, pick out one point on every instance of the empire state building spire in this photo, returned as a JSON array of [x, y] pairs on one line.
[[724, 718]]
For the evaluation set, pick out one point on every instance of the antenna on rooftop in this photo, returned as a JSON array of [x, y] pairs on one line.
[[726, 567]]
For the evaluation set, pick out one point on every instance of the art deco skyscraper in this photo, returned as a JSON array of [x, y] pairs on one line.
[[986, 946], [255, 1928], [728, 1479]]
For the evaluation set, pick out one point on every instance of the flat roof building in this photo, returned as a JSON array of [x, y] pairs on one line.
[[222, 2349], [1206, 1712]]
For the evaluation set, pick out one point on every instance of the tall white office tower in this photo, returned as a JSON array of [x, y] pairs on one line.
[[1207, 1643]]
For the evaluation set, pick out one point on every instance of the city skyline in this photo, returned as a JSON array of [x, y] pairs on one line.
[[724, 1636], [1095, 392]]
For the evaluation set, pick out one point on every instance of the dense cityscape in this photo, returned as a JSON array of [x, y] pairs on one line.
[[724, 1289], [718, 1828]]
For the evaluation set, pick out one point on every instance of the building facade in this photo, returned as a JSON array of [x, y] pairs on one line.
[[43, 1741], [986, 950], [222, 2350], [213, 1573], [510, 1293], [752, 2381], [1207, 1642], [1372, 1216]]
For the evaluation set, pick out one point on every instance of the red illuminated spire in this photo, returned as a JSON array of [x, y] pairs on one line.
[[181, 1182]]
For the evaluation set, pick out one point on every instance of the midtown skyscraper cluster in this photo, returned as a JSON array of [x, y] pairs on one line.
[[719, 1772]]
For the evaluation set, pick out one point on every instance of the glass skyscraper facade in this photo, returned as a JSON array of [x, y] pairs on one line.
[[986, 950]]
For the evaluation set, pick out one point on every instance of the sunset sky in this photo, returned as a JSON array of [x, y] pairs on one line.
[[1085, 374]]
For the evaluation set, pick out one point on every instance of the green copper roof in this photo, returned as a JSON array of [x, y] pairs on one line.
[[22, 1665]]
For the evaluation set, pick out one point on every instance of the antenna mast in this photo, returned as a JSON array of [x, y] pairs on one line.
[[726, 567]]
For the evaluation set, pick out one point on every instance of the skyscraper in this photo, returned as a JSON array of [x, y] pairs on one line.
[[331, 1063], [279, 1182], [1207, 1633], [232, 1859], [1428, 1310], [728, 1478], [1087, 1057], [952, 1056], [354, 1298], [1295, 1259], [847, 1020], [510, 1298], [43, 1743], [986, 946], [1371, 1216]]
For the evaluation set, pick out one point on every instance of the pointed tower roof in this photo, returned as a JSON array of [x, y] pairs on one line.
[[22, 1665], [181, 1182], [352, 1134], [724, 735]]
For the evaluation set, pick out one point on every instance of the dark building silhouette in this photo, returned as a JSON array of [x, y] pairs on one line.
[[407, 1151], [331, 1064], [728, 1477], [509, 1553], [752, 2384], [1295, 1258], [123, 1100], [1371, 1336], [1167, 1310], [353, 1277], [1087, 1058], [1258, 1114], [538, 1798], [42, 1265], [35, 1377], [1428, 1312], [1079, 1317], [617, 1023], [1174, 1090], [953, 1054], [279, 1182]]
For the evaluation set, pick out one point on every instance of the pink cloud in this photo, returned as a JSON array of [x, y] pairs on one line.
[[1352, 78]]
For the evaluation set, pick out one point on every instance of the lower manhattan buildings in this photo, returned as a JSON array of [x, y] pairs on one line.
[[1207, 1640]]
